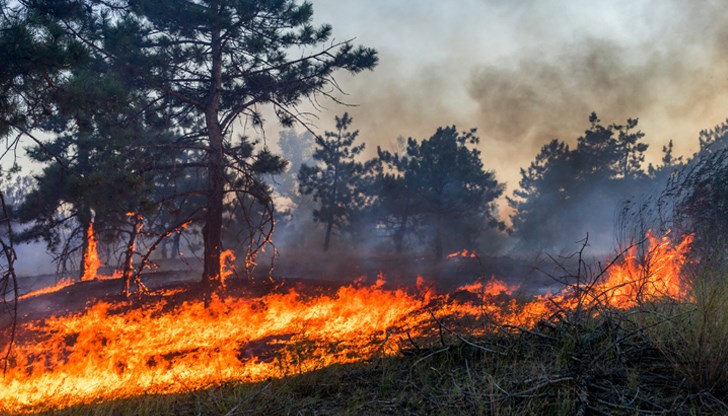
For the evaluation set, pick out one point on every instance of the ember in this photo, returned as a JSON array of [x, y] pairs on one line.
[[462, 254]]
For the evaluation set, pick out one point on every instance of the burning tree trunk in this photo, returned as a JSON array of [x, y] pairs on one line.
[[90, 264]]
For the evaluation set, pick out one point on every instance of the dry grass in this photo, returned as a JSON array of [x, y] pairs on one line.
[[660, 359], [693, 336]]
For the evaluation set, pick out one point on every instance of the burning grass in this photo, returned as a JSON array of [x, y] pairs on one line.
[[490, 349]]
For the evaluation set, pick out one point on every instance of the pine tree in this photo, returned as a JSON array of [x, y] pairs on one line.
[[334, 182], [442, 182], [213, 63]]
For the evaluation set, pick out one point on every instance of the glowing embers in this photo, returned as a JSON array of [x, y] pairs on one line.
[[465, 254]]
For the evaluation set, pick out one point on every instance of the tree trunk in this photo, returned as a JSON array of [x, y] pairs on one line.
[[399, 234], [212, 231], [438, 239], [165, 255], [128, 256], [327, 240], [175, 245], [85, 216]]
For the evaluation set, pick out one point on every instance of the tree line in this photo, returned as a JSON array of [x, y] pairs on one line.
[[435, 195], [135, 108], [436, 189]]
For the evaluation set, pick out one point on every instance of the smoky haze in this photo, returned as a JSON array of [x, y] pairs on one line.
[[523, 73], [526, 72]]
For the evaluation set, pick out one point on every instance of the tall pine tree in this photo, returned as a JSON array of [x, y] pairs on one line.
[[215, 63]]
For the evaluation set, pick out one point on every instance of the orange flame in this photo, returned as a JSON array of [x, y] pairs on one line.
[[108, 351], [227, 257], [654, 275], [62, 284], [462, 254], [91, 262], [116, 350]]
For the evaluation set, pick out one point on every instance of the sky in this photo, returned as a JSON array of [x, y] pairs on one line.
[[524, 72]]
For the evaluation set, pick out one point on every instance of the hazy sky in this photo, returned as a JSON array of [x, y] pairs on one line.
[[523, 72]]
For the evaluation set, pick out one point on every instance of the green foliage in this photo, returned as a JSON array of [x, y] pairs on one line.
[[219, 62], [35, 54], [136, 91], [439, 186], [170, 46], [567, 193], [297, 149], [100, 160], [336, 181]]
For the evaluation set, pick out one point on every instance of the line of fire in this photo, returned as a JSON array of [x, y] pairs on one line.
[[162, 253]]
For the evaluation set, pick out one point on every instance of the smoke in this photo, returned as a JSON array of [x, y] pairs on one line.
[[526, 72], [550, 95]]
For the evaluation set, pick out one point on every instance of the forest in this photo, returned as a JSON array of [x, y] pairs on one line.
[[198, 262]]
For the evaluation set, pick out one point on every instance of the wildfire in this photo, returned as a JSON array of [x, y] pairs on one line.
[[109, 351], [654, 275], [91, 262], [114, 350]]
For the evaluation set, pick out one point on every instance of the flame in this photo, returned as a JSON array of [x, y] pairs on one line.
[[110, 350], [227, 257], [654, 275], [493, 287], [462, 254], [60, 285], [113, 350], [91, 262]]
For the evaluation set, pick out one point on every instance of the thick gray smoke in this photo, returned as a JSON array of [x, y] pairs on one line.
[[526, 72]]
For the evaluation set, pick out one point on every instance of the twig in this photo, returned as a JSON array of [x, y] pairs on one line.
[[463, 340]]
